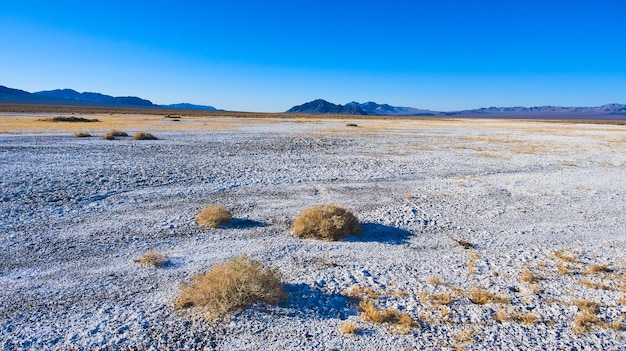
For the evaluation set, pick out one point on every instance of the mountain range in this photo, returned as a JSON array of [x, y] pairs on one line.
[[319, 106], [74, 98]]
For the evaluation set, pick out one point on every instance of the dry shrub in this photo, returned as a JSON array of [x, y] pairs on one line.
[[400, 322], [144, 136], [527, 276], [82, 134], [152, 258], [214, 216], [434, 280], [594, 285], [598, 268], [231, 285], [481, 296], [325, 222], [567, 256], [349, 328], [352, 125], [70, 119], [586, 317], [110, 135], [441, 299], [357, 291]]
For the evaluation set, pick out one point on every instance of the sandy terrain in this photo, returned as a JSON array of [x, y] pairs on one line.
[[540, 208]]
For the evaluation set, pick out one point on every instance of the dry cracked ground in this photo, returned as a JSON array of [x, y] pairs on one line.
[[484, 234]]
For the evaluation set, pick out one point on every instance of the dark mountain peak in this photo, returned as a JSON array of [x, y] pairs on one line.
[[5, 91], [321, 106]]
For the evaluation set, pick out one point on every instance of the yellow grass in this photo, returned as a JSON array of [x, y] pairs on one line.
[[441, 299], [348, 328], [357, 291], [400, 322], [325, 222], [231, 285], [481, 296], [214, 216], [434, 280], [153, 259]]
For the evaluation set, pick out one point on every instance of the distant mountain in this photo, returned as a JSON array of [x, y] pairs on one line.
[[187, 106], [608, 111], [96, 98], [605, 111], [72, 97], [320, 106], [372, 108]]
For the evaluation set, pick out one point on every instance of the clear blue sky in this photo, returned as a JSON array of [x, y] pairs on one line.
[[270, 55]]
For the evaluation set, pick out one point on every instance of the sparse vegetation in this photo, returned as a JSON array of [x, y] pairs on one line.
[[153, 259], [587, 317], [442, 299], [596, 268], [144, 136], [70, 119], [214, 216], [434, 280], [349, 328], [400, 322], [481, 296], [231, 285], [82, 134], [325, 222], [356, 291], [110, 135]]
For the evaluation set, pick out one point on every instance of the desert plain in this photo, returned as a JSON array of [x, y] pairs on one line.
[[530, 214]]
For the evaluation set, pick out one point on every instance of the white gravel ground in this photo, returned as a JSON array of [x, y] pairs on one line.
[[76, 212]]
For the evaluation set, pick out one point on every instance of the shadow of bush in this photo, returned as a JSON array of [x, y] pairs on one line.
[[304, 299], [375, 232]]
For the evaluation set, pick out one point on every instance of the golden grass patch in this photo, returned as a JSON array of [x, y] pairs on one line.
[[231, 285], [348, 328], [434, 280], [481, 296], [596, 268], [82, 134], [441, 299], [144, 136], [594, 285], [358, 291], [325, 222], [214, 216], [153, 259], [400, 322]]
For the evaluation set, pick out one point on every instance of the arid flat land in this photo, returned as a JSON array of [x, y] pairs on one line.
[[489, 234]]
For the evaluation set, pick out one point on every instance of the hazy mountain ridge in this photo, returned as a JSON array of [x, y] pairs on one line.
[[72, 97], [319, 106]]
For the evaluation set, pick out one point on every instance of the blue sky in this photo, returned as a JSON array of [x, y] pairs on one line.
[[270, 55]]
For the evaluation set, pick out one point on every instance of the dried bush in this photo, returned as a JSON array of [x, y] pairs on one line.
[[114, 133], [325, 222], [349, 328], [82, 134], [152, 258], [400, 322], [144, 136], [481, 296], [231, 285], [214, 216], [70, 119]]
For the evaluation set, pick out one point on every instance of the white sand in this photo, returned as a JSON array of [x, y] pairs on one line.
[[75, 212]]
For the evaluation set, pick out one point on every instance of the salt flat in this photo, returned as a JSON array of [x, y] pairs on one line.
[[522, 196]]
